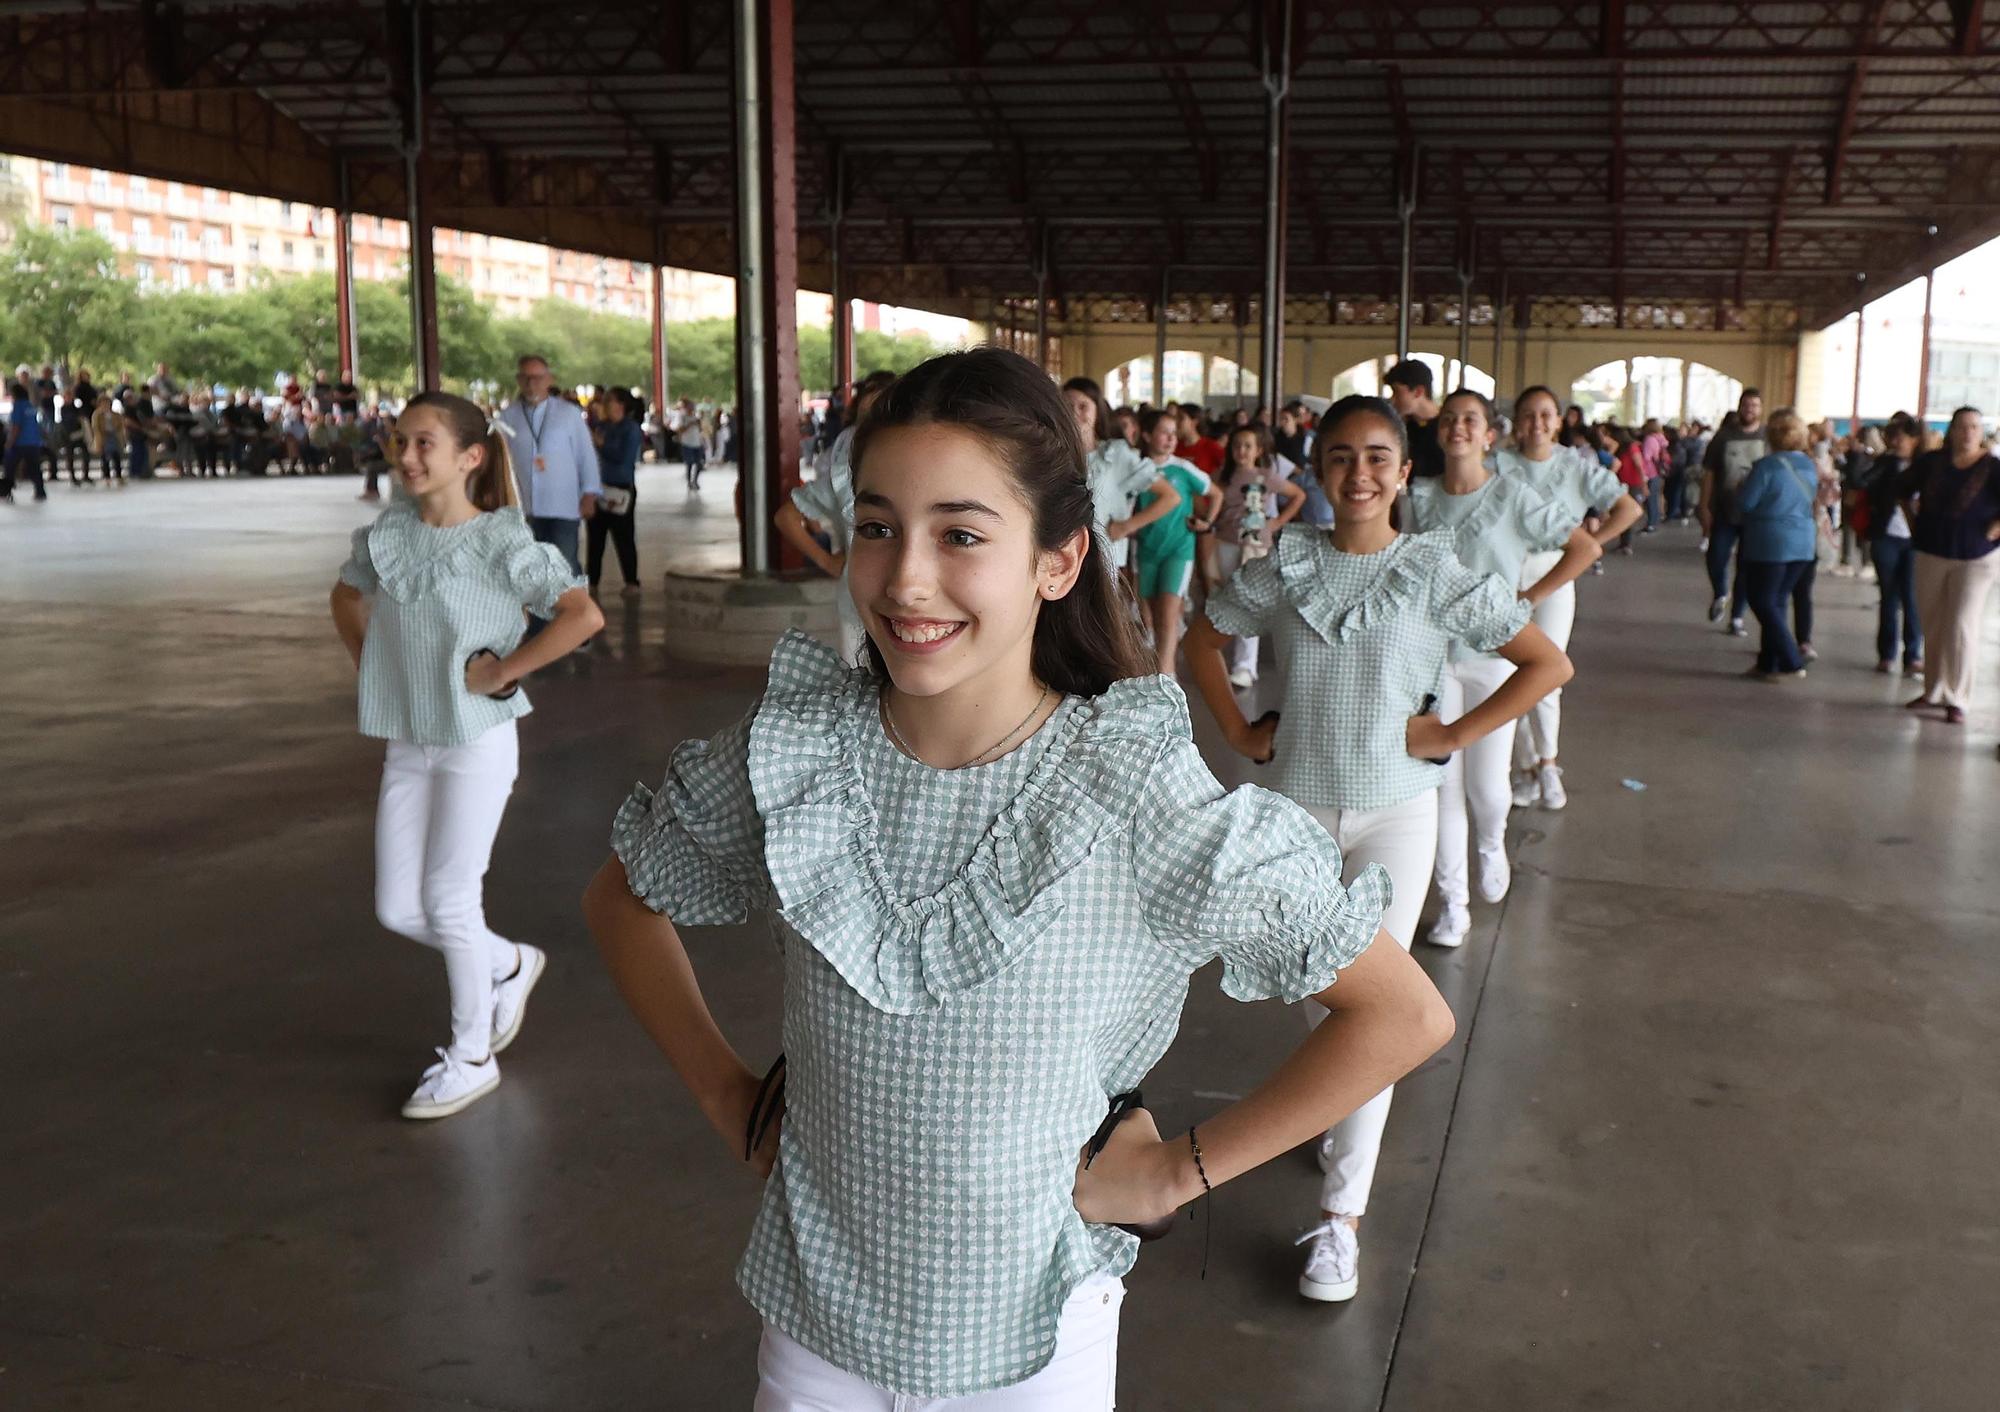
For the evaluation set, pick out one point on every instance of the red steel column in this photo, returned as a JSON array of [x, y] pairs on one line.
[[767, 270], [347, 351], [659, 341]]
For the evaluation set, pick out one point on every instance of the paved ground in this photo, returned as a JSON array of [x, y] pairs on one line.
[[1719, 1130]]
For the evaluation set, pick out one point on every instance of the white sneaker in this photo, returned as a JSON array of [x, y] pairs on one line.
[[1717, 608], [1495, 875], [1527, 791], [451, 1085], [1451, 928], [1333, 1263], [1554, 796], [1242, 677], [1736, 628], [510, 997]]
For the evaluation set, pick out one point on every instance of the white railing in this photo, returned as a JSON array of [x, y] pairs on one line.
[[150, 244], [63, 189], [183, 205], [144, 201]]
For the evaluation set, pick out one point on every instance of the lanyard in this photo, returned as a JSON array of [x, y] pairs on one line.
[[534, 430]]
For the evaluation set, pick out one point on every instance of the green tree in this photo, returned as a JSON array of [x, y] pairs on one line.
[[205, 336], [306, 307], [65, 297]]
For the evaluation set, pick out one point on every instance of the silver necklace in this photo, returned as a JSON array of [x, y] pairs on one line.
[[991, 751]]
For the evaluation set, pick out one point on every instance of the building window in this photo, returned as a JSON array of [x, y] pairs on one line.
[[252, 248], [182, 278], [141, 226], [177, 236], [59, 171], [106, 224], [319, 254], [60, 217], [100, 184], [135, 183], [288, 252]]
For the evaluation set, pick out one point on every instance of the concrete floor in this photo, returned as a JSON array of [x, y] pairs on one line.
[[1719, 1130]]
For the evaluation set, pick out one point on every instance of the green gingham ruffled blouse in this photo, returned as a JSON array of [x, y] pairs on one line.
[[1495, 528], [1364, 639], [437, 596], [974, 961]]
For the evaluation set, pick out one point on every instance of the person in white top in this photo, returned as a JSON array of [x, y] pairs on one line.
[[694, 450]]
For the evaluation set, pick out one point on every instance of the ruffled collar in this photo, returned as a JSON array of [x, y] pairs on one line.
[[1306, 574], [411, 558], [1496, 500], [822, 835]]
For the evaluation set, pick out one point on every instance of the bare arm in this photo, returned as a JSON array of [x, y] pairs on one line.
[[792, 525], [577, 620], [1624, 514], [1291, 500], [1579, 554], [350, 618], [1386, 1019], [1203, 646], [1165, 500], [1539, 668], [650, 967]]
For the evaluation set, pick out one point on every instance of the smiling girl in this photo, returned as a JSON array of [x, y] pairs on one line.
[[1576, 479], [993, 858], [430, 607], [1363, 618], [1495, 525]]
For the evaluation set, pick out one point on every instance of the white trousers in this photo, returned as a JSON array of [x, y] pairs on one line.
[[1475, 779], [1538, 734], [1082, 1377], [1403, 839], [435, 821], [1243, 652], [1951, 603]]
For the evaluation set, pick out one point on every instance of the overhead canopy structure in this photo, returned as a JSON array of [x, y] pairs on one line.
[[969, 151]]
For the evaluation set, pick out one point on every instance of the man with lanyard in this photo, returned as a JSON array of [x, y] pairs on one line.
[[555, 460], [1411, 393]]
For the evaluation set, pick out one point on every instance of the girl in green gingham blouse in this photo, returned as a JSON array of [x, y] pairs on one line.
[[992, 858]]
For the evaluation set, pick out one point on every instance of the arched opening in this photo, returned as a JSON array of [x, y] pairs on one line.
[[1367, 378], [1191, 377], [1672, 389]]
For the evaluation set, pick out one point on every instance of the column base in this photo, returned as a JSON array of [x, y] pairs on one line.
[[725, 619]]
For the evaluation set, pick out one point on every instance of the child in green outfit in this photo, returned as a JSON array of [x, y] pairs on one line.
[[1167, 546]]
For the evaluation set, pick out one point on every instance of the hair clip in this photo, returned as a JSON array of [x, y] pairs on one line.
[[494, 424]]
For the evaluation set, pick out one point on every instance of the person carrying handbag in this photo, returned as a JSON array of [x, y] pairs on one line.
[[618, 444]]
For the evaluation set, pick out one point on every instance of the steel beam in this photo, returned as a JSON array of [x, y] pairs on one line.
[[1278, 26], [347, 351], [767, 336], [1406, 210], [1924, 358], [423, 280], [659, 321], [842, 339], [1160, 338]]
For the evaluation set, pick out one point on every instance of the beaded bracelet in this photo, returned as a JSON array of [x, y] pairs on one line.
[[1199, 1170]]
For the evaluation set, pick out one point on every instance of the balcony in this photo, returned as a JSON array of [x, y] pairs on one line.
[[149, 244], [183, 205], [144, 201], [63, 189]]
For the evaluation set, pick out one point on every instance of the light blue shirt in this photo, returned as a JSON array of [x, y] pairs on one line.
[[555, 460], [974, 961], [1776, 501], [1570, 477]]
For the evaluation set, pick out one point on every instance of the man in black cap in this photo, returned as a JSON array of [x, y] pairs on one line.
[[1410, 391]]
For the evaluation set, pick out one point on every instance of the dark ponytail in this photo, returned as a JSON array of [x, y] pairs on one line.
[[1087, 639]]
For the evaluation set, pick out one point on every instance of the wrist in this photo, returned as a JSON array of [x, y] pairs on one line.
[[1177, 1183]]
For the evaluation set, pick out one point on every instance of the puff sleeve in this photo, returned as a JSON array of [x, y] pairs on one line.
[[1248, 876], [1481, 610], [693, 849], [539, 575], [1249, 604], [359, 570]]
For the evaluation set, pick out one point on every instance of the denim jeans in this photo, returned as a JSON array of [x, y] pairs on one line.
[[1722, 541], [1802, 603], [552, 529], [1896, 579], [1771, 586]]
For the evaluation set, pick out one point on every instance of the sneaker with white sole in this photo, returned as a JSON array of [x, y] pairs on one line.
[[1554, 796], [1736, 628], [452, 1085], [1527, 791], [1333, 1262], [1496, 875], [1717, 608], [510, 997], [1451, 928]]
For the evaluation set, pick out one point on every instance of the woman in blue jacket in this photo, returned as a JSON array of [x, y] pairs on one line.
[[1780, 543]]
